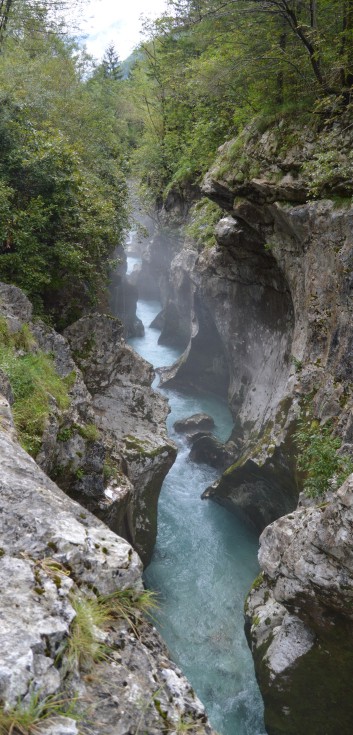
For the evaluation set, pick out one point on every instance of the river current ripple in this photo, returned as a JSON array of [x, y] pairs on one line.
[[203, 564]]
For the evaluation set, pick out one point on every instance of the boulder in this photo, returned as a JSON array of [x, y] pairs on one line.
[[131, 417], [196, 422], [208, 450]]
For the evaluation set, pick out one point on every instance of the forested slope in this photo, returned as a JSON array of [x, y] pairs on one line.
[[211, 67], [62, 163]]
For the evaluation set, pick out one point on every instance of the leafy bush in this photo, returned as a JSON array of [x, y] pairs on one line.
[[318, 457]]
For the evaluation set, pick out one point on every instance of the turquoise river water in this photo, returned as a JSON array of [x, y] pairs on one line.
[[203, 564]]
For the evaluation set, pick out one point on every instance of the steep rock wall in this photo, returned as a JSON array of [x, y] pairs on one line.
[[299, 619], [270, 310], [277, 289], [109, 449], [53, 553]]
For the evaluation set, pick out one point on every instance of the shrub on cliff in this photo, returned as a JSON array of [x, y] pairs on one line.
[[210, 67], [319, 461]]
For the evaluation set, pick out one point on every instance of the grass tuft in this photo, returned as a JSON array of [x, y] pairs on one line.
[[90, 432], [86, 642], [34, 381], [25, 718]]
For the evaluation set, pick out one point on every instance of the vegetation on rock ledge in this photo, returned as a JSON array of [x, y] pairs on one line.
[[34, 384], [319, 460]]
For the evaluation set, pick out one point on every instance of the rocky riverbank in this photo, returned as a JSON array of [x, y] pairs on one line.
[[58, 564], [76, 651]]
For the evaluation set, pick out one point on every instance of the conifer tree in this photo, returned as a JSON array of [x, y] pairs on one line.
[[111, 64]]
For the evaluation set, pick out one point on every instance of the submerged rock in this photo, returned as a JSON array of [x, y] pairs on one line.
[[207, 449]]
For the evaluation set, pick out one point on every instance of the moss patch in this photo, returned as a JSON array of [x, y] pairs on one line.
[[203, 218]]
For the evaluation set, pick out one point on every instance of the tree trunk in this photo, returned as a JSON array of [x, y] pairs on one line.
[[5, 7]]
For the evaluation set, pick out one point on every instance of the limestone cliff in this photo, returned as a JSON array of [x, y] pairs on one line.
[[268, 314], [59, 564], [108, 448], [268, 308], [299, 619]]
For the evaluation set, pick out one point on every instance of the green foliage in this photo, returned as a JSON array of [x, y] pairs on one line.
[[203, 219], [90, 432], [34, 382], [209, 68], [26, 717], [65, 434], [318, 458], [330, 168], [111, 65], [62, 170], [110, 472], [298, 364]]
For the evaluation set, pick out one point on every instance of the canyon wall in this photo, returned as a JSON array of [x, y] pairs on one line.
[[59, 564], [108, 448], [266, 314]]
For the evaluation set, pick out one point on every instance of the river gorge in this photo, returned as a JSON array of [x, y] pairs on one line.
[[203, 565]]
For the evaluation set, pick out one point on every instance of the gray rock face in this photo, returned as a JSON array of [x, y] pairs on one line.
[[300, 618], [109, 449], [124, 296], [52, 550], [205, 448], [269, 316], [241, 324], [196, 422], [131, 417]]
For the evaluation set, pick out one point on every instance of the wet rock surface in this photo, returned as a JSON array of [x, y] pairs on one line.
[[206, 448]]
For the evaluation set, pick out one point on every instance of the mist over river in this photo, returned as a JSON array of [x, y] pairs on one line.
[[203, 565]]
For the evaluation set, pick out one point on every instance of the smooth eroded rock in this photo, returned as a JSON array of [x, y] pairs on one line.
[[197, 422]]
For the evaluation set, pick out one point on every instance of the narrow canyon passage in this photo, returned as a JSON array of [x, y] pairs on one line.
[[203, 564]]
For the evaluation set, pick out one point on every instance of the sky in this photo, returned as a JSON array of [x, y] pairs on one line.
[[117, 21]]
